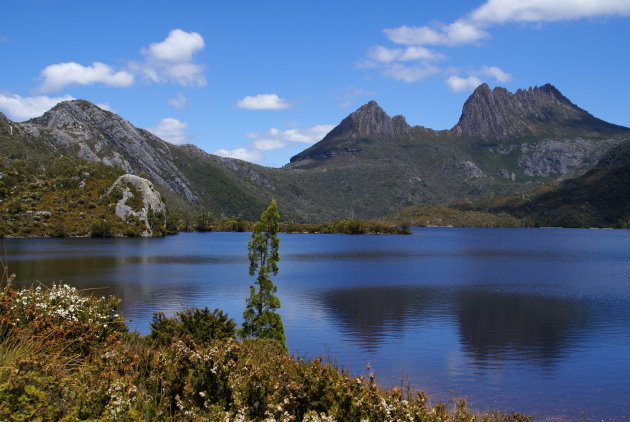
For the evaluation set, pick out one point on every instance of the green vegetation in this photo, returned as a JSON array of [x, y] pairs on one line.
[[425, 215], [347, 226], [64, 197], [66, 356], [260, 317], [200, 325]]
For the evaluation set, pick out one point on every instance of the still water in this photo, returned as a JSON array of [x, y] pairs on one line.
[[534, 320]]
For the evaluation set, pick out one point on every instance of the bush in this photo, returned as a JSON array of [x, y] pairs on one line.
[[201, 325], [60, 314], [101, 228]]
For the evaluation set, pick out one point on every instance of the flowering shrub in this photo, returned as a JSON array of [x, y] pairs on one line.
[[131, 378], [61, 314]]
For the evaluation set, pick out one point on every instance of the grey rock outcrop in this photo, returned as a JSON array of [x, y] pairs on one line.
[[538, 111], [151, 200], [559, 157], [100, 135]]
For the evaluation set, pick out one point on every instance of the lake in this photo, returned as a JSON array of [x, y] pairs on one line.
[[533, 320]]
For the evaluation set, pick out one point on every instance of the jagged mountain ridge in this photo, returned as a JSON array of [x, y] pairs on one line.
[[370, 165], [487, 116], [539, 111]]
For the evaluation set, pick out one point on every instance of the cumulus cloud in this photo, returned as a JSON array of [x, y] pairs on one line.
[[459, 84], [495, 72], [57, 76], [387, 55], [473, 27], [106, 107], [409, 73], [305, 135], [459, 32], [501, 11], [171, 130], [263, 102], [178, 47], [476, 77], [241, 154], [22, 108], [268, 144], [274, 139], [179, 101], [171, 60]]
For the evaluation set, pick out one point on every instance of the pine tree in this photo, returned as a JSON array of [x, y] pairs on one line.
[[260, 317]]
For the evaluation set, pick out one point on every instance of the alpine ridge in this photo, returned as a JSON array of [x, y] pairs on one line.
[[538, 111], [370, 165]]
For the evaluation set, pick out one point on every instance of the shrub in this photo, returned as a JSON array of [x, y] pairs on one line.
[[202, 325], [60, 314], [101, 228]]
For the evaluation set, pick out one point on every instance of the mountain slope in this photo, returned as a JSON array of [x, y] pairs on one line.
[[369, 166]]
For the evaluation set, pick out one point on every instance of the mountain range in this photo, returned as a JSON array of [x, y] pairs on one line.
[[369, 166]]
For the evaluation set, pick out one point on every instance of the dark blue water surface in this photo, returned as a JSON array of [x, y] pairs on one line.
[[534, 320]]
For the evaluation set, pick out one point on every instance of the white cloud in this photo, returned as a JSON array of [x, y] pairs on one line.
[[106, 107], [57, 76], [178, 47], [472, 27], [268, 144], [409, 73], [305, 135], [459, 32], [495, 72], [241, 154], [500, 11], [172, 60], [387, 55], [275, 138], [171, 130], [459, 84], [179, 101], [22, 108], [263, 102], [476, 77]]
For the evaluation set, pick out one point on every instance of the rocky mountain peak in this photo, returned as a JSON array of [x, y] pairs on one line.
[[539, 111], [73, 113], [3, 118], [369, 119]]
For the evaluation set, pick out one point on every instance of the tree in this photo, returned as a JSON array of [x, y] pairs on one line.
[[260, 317]]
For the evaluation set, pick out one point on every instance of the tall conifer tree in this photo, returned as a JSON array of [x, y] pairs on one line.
[[260, 317]]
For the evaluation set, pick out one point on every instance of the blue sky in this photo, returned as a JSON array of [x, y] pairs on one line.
[[262, 81]]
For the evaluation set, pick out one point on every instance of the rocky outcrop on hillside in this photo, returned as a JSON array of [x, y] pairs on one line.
[[99, 135], [140, 201], [560, 157], [538, 111]]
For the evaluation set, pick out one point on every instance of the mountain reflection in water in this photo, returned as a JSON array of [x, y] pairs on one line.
[[536, 320]]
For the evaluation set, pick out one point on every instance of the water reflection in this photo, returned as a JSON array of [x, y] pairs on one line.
[[370, 315], [492, 326], [488, 313], [499, 325]]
